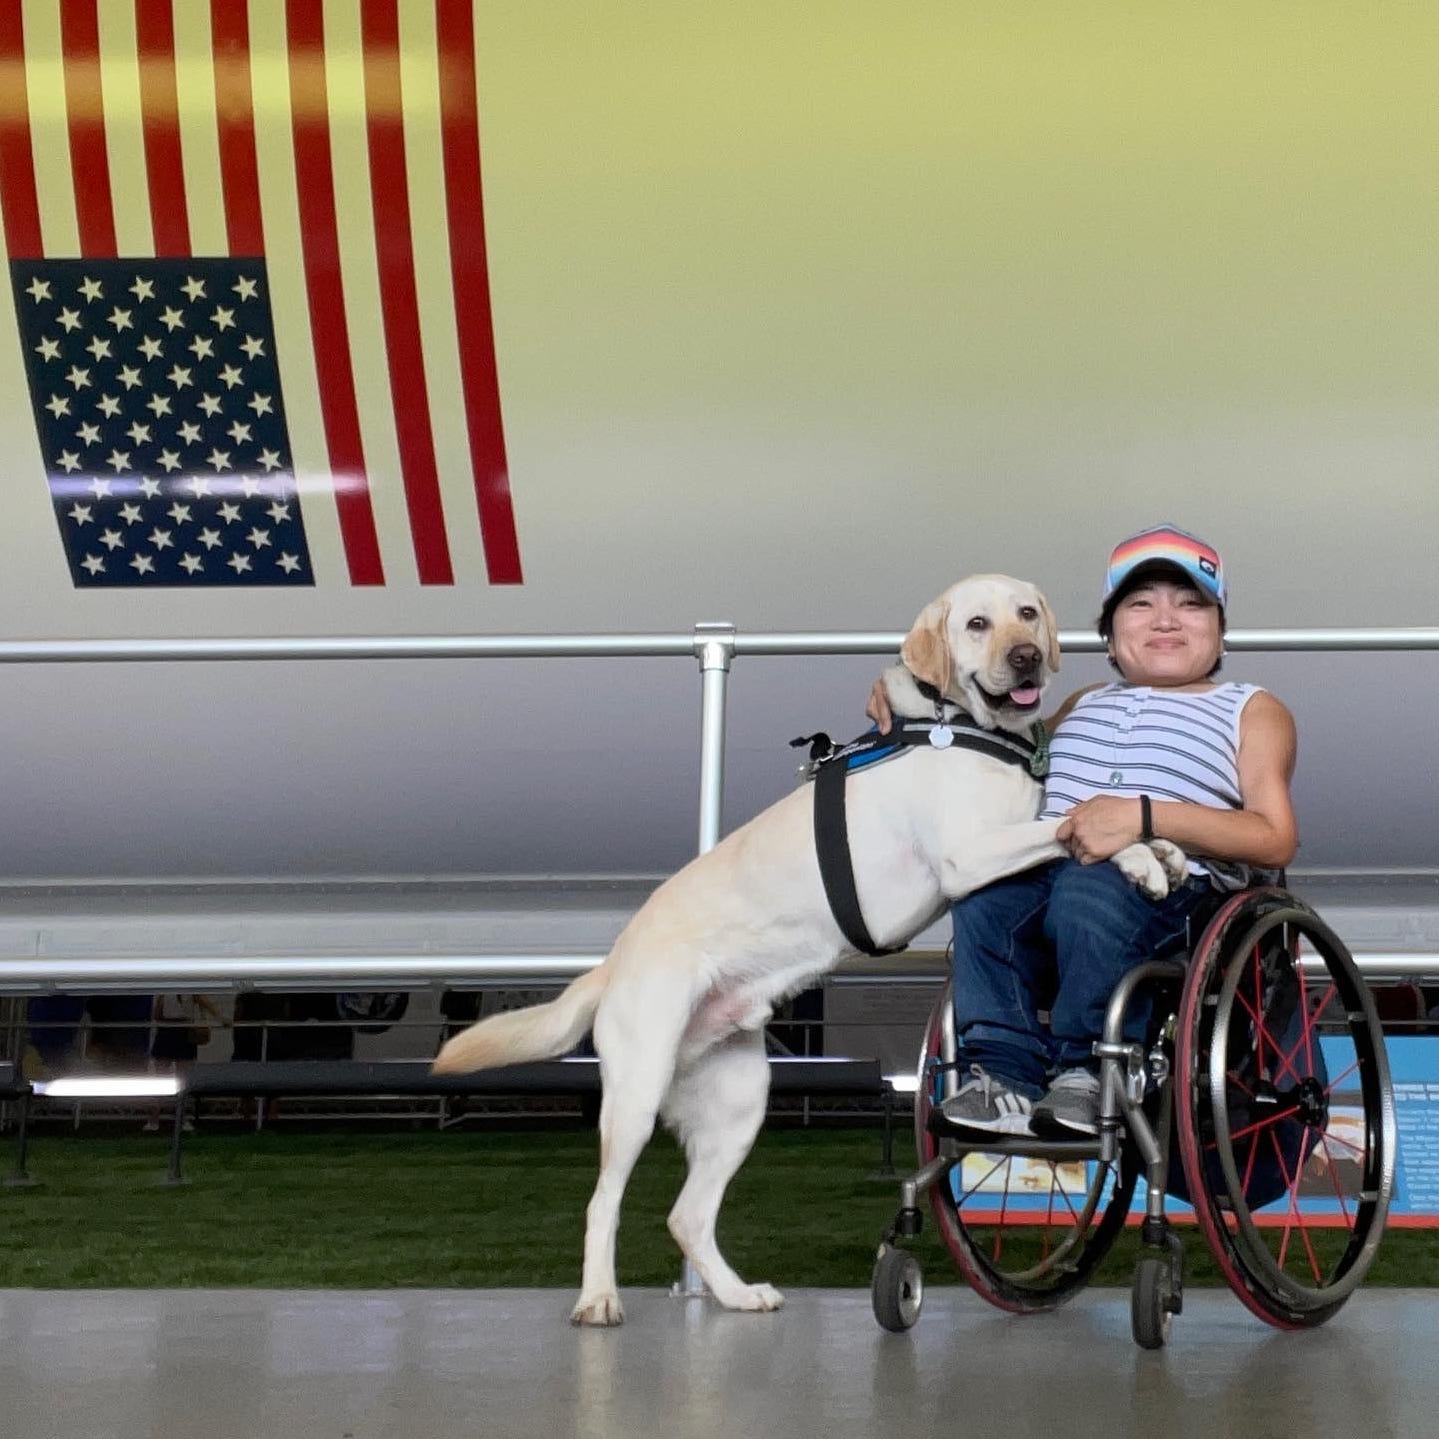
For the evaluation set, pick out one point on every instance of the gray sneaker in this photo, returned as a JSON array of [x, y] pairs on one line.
[[985, 1102], [1070, 1106]]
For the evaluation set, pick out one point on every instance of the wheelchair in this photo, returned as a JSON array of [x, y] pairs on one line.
[[1262, 1081]]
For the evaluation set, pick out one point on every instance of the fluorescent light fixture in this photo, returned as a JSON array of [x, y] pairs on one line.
[[140, 1086], [903, 1083]]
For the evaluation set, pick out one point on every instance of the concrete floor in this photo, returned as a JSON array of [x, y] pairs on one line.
[[437, 1364]]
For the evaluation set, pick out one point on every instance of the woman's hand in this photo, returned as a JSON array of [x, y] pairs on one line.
[[878, 707], [1100, 827]]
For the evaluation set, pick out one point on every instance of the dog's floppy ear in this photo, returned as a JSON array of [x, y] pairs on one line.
[[925, 650], [1051, 628]]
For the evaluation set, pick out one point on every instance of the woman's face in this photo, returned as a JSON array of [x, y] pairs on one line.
[[1165, 633]]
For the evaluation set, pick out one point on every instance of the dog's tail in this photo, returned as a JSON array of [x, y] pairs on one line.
[[539, 1032]]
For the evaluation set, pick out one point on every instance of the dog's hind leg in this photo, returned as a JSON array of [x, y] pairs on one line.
[[637, 1033], [716, 1106]]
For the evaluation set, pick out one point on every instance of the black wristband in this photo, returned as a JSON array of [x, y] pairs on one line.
[[1146, 818]]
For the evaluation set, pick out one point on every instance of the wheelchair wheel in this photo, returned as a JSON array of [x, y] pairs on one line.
[[1263, 1123], [896, 1289], [1026, 1233]]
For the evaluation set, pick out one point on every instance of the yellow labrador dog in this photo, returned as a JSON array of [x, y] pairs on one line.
[[679, 1006]]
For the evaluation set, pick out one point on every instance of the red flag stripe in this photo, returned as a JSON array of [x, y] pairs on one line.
[[85, 109], [469, 268], [160, 123], [320, 244], [235, 116], [18, 197], [399, 303]]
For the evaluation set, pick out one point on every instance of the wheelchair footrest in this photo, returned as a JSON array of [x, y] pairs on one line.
[[1024, 1146]]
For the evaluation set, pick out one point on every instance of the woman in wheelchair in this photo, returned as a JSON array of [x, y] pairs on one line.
[[1164, 752], [1031, 1185]]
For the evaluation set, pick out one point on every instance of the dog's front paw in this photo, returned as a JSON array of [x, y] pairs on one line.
[[1174, 860], [600, 1311], [1143, 869], [756, 1297]]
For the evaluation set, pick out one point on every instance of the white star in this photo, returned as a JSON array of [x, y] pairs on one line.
[[58, 405], [260, 404], [238, 562], [139, 434], [278, 512], [120, 318], [88, 434], [38, 289], [191, 563], [151, 348], [131, 514], [112, 539], [94, 564], [245, 288], [101, 488], [229, 512], [199, 486], [252, 347], [119, 460], [179, 513], [150, 487], [80, 513], [178, 377], [48, 349], [69, 461], [202, 347], [222, 319], [218, 459], [209, 538], [91, 289], [170, 459], [142, 564], [78, 377], [172, 319], [158, 404], [270, 459], [143, 289], [194, 289], [129, 376], [108, 406], [231, 376], [239, 433], [259, 538], [210, 404], [288, 562], [249, 487], [189, 432], [70, 319], [160, 538], [99, 348]]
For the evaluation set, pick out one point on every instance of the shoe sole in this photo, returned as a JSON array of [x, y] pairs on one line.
[[1008, 1124], [1051, 1126]]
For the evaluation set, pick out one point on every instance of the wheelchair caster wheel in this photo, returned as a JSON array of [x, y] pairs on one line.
[[897, 1289], [1153, 1301]]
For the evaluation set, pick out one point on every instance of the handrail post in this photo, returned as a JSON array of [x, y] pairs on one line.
[[714, 648]]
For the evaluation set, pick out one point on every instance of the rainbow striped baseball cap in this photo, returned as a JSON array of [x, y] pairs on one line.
[[1167, 546]]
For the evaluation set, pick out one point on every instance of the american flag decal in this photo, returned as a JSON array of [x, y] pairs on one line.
[[157, 401], [248, 270]]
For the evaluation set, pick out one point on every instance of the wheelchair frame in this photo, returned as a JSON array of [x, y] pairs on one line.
[[1226, 987]]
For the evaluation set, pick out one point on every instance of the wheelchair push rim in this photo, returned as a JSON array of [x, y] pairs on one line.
[[1255, 1112], [1026, 1234]]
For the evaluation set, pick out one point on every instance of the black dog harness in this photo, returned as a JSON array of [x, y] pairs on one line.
[[830, 765]]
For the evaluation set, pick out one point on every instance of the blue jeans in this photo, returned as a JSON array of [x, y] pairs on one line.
[[1058, 937]]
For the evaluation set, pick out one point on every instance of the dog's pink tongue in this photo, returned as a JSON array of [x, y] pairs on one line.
[[1025, 695]]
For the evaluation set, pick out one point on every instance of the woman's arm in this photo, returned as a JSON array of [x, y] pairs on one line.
[[1262, 833]]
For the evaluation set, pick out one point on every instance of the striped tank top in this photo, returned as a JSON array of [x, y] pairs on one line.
[[1127, 740]]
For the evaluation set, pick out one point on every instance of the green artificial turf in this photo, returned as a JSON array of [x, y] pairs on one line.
[[466, 1208]]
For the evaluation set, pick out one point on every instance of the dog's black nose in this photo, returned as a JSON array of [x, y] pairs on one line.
[[1023, 658]]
